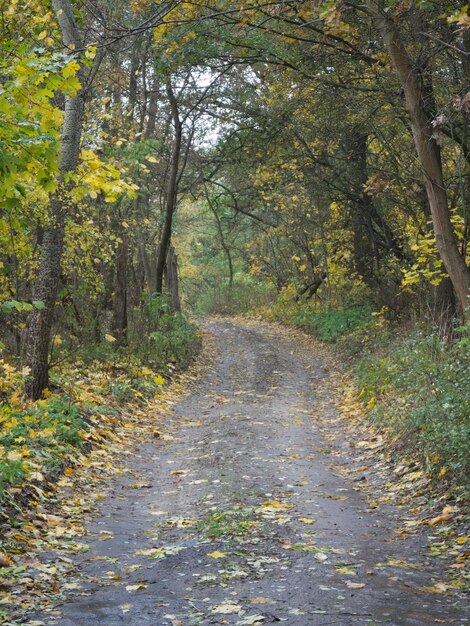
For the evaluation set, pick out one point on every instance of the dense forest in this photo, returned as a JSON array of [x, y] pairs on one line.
[[305, 162]]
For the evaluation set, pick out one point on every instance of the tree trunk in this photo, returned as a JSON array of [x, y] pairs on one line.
[[223, 243], [172, 192], [171, 276], [365, 248], [47, 284], [443, 304], [119, 324], [311, 288], [429, 154]]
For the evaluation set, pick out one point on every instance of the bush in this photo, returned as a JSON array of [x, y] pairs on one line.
[[38, 438], [327, 325], [160, 336], [422, 392], [242, 297], [330, 325]]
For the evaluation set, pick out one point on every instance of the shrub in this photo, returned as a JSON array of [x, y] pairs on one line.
[[38, 439], [422, 389], [327, 325], [160, 336], [242, 297]]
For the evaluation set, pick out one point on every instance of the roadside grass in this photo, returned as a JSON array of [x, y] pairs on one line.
[[419, 389]]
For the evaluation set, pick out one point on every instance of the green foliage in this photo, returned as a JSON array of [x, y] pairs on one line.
[[421, 391], [330, 325], [327, 325], [234, 522], [9, 305], [37, 440], [43, 436], [160, 336], [242, 297]]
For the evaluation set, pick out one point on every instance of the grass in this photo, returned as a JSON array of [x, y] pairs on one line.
[[234, 522], [241, 298], [420, 389], [331, 325]]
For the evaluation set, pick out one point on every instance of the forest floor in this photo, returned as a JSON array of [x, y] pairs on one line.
[[260, 499]]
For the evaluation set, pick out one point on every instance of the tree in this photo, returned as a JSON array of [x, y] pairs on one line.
[[417, 94], [47, 284]]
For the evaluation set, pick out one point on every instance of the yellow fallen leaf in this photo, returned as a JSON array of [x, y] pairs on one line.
[[149, 551], [347, 571], [306, 520], [438, 588], [261, 600], [36, 476], [217, 554], [414, 475], [13, 455], [444, 517], [5, 560], [273, 504]]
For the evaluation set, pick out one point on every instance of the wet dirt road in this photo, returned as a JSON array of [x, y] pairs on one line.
[[240, 519]]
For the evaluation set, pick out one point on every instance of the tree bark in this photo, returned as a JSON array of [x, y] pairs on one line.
[[119, 324], [223, 243], [172, 191], [365, 248], [429, 153], [171, 279], [443, 304], [311, 288], [47, 283]]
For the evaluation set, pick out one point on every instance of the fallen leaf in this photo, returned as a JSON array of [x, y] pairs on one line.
[[261, 600], [136, 587], [250, 620], [217, 554], [273, 504], [437, 588], [226, 608], [443, 517], [5, 560]]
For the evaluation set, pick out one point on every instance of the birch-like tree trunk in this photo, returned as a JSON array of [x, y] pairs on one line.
[[48, 280]]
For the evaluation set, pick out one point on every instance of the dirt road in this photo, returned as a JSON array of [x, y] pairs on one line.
[[240, 518]]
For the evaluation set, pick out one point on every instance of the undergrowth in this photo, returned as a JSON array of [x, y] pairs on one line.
[[241, 297], [87, 395], [419, 388]]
